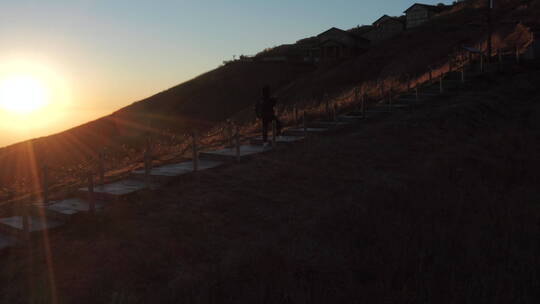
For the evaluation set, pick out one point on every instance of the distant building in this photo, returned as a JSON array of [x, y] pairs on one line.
[[419, 13], [385, 28], [535, 46], [335, 44], [533, 49]]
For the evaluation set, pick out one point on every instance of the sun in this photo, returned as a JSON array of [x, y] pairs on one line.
[[22, 94]]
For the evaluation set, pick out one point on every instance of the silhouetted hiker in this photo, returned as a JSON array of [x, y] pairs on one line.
[[264, 110]]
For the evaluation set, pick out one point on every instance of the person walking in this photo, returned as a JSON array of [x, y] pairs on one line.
[[265, 111]]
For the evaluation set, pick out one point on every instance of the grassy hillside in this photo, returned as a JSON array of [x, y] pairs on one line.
[[197, 104], [231, 90], [435, 205]]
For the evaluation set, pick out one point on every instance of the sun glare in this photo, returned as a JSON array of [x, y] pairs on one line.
[[22, 94], [35, 98]]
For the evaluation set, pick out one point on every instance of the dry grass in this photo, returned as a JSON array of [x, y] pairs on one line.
[[169, 116], [438, 205]]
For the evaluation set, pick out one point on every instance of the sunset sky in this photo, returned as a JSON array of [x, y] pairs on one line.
[[86, 59]]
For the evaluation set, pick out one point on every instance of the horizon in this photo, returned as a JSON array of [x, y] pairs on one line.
[[88, 60]]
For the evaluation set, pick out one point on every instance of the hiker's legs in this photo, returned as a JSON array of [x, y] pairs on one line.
[[278, 125], [265, 129]]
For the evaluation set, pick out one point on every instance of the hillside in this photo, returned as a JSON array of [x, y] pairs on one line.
[[197, 104], [230, 90], [434, 205]]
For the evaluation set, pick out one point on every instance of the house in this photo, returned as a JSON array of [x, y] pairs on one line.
[[335, 44], [419, 13], [533, 49], [385, 28]]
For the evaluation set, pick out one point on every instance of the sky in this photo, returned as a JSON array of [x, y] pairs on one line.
[[95, 57]]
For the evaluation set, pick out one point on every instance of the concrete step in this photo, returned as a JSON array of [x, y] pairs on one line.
[[421, 95], [453, 75], [64, 210], [328, 124], [301, 131], [351, 117], [14, 225], [389, 109], [456, 81], [279, 140], [409, 100], [119, 189], [229, 154], [7, 241], [166, 173]]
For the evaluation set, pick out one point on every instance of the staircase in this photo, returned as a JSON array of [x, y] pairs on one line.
[[43, 217]]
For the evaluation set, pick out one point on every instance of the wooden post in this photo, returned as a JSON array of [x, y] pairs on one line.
[[101, 167], [91, 202], [45, 185], [328, 110], [364, 100], [147, 164], [274, 133], [230, 133], [304, 124], [390, 100], [356, 97], [195, 147], [26, 221], [237, 143], [481, 63]]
